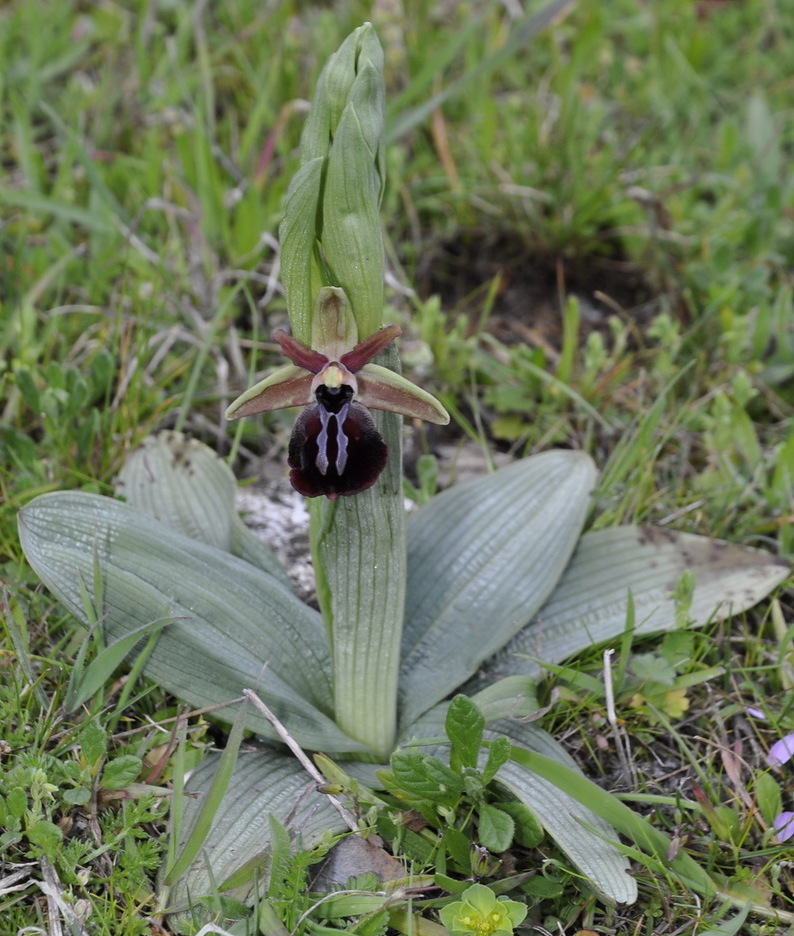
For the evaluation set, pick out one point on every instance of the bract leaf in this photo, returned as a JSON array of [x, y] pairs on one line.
[[352, 238], [182, 483], [334, 328], [590, 603], [233, 625], [300, 273], [236, 850], [482, 558], [331, 233]]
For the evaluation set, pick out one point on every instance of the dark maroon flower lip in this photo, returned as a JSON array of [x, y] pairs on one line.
[[335, 448], [335, 452]]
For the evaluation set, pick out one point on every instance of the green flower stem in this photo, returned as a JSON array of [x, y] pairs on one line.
[[358, 545]]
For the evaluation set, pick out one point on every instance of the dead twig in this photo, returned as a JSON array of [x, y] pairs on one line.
[[347, 817]]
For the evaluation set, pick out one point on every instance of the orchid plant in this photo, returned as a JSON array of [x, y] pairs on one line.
[[489, 581]]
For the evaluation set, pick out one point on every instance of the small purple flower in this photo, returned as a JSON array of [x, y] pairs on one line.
[[781, 751], [784, 826]]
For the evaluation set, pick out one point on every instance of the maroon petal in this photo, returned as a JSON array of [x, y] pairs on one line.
[[366, 350], [298, 353], [326, 461]]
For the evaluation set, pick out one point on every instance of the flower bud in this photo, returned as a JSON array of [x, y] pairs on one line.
[[331, 233]]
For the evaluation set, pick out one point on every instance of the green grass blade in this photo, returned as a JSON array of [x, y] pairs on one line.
[[617, 814], [212, 801], [177, 796], [15, 626], [635, 447], [522, 34], [99, 671]]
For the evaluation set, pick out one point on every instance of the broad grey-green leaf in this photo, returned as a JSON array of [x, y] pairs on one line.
[[586, 838], [237, 847], [590, 602], [644, 835], [482, 558], [234, 626], [182, 483]]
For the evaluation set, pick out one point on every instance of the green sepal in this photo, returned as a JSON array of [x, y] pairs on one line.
[[381, 388], [285, 387]]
